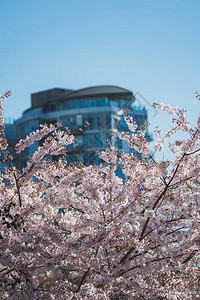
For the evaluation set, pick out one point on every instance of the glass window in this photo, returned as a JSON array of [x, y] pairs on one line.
[[80, 140], [82, 103], [116, 122], [91, 122], [69, 147], [100, 102], [90, 141], [122, 103], [74, 104], [102, 121], [87, 103], [92, 158], [93, 102], [108, 121], [97, 140], [96, 121], [86, 158], [66, 105], [85, 140], [98, 160], [113, 103], [85, 118], [79, 120], [102, 140], [106, 101], [71, 105], [21, 131], [79, 157]]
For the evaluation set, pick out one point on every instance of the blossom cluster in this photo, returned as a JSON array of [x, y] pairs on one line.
[[74, 232], [34, 136]]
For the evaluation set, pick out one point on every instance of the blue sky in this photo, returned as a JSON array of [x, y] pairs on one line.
[[147, 46]]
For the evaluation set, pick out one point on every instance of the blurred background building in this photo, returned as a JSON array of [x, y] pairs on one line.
[[100, 106]]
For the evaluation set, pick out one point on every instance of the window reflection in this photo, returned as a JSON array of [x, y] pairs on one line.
[[121, 103]]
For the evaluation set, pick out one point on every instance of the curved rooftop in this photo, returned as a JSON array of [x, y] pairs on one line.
[[102, 90]]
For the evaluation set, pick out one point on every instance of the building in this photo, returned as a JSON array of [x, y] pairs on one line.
[[100, 106]]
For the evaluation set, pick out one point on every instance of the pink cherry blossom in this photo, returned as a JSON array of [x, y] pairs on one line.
[[74, 232]]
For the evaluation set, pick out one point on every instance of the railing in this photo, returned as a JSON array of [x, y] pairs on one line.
[[9, 120]]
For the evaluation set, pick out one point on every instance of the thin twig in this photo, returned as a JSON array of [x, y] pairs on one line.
[[16, 181], [82, 279]]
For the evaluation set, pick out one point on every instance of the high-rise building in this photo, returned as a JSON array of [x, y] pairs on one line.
[[100, 106]]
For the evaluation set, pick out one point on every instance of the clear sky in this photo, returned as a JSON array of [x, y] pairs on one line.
[[148, 46]]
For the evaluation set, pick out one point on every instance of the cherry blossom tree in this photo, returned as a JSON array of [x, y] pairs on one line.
[[74, 232]]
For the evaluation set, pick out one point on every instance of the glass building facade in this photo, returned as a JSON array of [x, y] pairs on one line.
[[100, 106]]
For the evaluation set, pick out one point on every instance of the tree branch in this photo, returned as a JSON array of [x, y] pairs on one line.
[[82, 279]]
